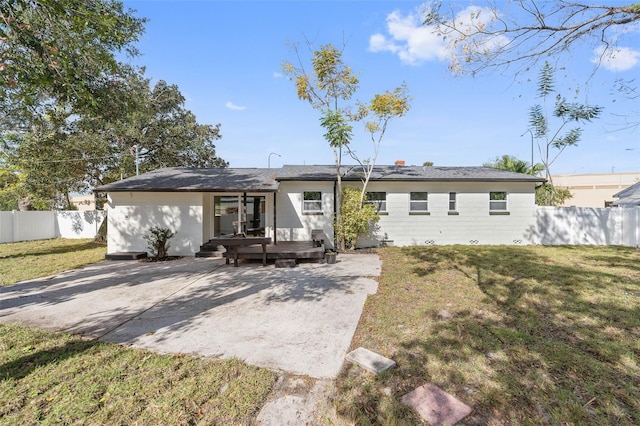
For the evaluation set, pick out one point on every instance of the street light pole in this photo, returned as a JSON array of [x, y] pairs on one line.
[[269, 159], [135, 153]]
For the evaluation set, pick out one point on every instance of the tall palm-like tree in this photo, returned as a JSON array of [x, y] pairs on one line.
[[513, 164]]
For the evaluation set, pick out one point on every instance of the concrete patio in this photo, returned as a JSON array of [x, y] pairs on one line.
[[298, 320]]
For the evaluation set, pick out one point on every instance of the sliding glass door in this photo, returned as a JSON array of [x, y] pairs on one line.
[[239, 214]]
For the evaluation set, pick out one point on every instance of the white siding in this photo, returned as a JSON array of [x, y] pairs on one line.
[[472, 225], [291, 223], [132, 214]]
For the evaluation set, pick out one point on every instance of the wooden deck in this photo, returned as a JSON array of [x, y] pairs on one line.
[[283, 250], [295, 250]]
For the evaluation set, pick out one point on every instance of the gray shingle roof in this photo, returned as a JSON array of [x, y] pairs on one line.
[[627, 192], [629, 196], [407, 173], [266, 180], [186, 179]]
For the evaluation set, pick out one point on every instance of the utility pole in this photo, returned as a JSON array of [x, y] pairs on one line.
[[137, 159]]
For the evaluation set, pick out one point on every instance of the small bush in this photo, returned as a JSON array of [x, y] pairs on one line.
[[158, 241], [357, 220]]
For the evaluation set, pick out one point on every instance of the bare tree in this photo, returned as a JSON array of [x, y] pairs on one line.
[[521, 33]]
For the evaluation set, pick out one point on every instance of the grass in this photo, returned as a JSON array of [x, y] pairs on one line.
[[48, 378], [33, 259], [525, 335]]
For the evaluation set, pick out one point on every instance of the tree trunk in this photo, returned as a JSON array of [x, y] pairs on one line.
[[337, 153], [24, 204]]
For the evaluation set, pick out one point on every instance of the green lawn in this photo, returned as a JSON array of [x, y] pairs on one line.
[[50, 378], [525, 335], [33, 259]]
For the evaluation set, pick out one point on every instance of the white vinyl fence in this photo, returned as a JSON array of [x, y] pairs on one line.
[[586, 225], [38, 225]]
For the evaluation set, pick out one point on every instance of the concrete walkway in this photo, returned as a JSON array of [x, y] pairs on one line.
[[298, 320]]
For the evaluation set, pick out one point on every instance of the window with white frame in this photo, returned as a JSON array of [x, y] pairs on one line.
[[312, 202], [418, 202], [497, 201], [378, 200], [453, 201]]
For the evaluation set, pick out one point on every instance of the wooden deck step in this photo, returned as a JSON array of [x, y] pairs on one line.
[[126, 255]]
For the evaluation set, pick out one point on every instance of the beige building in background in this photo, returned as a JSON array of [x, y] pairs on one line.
[[595, 190], [83, 202]]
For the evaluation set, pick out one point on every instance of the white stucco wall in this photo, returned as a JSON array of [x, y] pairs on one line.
[[472, 225], [292, 224], [132, 214]]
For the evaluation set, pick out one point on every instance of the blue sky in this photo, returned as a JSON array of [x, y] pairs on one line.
[[225, 56]]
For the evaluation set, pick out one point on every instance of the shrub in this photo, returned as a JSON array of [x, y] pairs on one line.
[[357, 220], [158, 241]]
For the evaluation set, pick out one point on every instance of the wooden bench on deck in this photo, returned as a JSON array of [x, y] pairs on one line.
[[231, 244]]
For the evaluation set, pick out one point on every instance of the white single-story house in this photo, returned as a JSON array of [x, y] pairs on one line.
[[417, 205], [629, 197]]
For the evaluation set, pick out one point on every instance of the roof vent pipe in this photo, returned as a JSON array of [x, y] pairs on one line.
[[400, 163]]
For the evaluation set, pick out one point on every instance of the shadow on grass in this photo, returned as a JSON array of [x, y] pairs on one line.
[[552, 338], [54, 249], [23, 366]]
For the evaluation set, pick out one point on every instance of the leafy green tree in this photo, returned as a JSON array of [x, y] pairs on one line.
[[377, 113], [549, 195], [513, 164], [9, 189], [65, 151], [152, 124], [329, 88], [61, 50], [544, 191], [553, 141]]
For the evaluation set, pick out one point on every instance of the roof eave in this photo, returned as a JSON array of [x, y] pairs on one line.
[[234, 190]]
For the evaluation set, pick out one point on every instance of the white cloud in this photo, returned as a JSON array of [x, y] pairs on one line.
[[415, 43], [277, 74], [235, 107], [616, 58], [409, 39]]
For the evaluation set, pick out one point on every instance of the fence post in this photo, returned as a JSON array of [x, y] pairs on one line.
[[636, 216], [14, 226]]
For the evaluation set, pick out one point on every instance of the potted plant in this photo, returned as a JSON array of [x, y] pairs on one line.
[[330, 256]]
